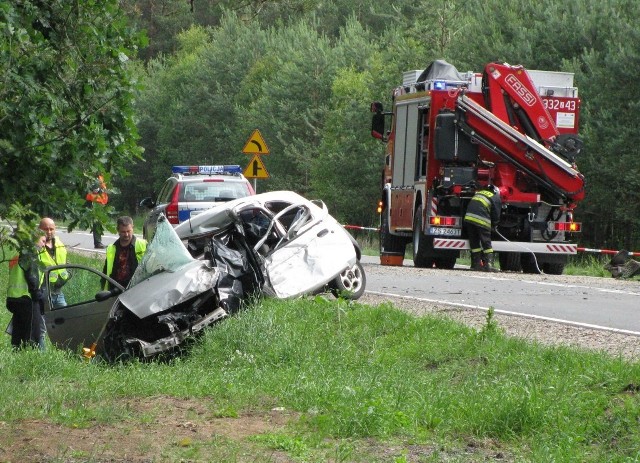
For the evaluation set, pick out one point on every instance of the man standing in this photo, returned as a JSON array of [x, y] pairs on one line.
[[98, 194], [52, 253], [483, 213], [124, 255], [24, 298]]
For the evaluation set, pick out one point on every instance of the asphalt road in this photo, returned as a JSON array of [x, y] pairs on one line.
[[603, 303], [83, 240]]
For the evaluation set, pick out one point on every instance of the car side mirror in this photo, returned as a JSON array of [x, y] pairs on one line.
[[104, 295], [379, 121]]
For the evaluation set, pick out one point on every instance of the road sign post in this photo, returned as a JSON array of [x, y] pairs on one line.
[[256, 169]]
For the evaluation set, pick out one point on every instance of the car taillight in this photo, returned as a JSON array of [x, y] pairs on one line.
[[172, 208]]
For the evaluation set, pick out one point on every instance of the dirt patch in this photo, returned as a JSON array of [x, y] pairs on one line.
[[168, 429], [163, 428]]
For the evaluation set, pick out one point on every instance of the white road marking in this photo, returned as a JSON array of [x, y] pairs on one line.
[[508, 312], [560, 285]]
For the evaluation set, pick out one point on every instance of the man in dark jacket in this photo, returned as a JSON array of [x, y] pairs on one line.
[[483, 214]]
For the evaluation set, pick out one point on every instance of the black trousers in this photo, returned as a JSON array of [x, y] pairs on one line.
[[26, 323], [479, 238]]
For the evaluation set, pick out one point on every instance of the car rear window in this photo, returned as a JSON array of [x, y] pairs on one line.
[[213, 191]]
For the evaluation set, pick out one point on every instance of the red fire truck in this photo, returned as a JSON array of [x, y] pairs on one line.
[[450, 133]]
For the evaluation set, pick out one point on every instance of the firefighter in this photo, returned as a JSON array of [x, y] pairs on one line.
[[97, 194], [483, 214], [125, 254]]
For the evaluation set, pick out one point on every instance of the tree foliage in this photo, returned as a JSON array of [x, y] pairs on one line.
[[304, 73], [65, 101]]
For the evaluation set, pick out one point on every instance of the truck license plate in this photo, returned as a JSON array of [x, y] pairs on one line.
[[445, 231]]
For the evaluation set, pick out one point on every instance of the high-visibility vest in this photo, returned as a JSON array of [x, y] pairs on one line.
[[140, 247], [48, 260], [100, 197], [17, 286]]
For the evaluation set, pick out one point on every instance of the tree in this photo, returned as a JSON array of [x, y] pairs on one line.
[[65, 104]]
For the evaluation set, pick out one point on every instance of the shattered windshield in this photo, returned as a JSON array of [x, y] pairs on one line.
[[165, 253]]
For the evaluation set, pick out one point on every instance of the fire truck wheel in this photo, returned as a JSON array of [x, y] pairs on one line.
[[448, 262], [509, 261], [553, 268], [422, 244], [529, 263], [350, 284]]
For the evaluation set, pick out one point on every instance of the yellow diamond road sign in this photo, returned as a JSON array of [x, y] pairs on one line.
[[256, 168], [255, 144]]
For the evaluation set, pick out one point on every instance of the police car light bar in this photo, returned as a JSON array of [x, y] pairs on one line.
[[207, 170]]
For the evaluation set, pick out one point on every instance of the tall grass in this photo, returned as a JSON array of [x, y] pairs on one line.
[[350, 374], [354, 372]]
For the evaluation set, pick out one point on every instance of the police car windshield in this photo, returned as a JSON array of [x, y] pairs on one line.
[[213, 191]]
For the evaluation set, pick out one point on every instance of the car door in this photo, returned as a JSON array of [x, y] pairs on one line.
[[312, 252], [79, 323]]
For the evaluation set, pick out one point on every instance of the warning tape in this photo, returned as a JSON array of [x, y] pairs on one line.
[[357, 227], [578, 249], [607, 251]]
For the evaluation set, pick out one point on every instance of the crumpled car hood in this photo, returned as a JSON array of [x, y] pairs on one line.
[[166, 276], [169, 288]]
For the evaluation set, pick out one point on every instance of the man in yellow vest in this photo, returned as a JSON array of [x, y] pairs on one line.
[[53, 253], [124, 255], [24, 297]]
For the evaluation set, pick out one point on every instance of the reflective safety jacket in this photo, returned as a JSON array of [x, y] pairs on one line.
[[98, 193], [140, 247], [60, 258], [484, 209], [24, 277]]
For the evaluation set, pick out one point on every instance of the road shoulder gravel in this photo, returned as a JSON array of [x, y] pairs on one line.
[[541, 331]]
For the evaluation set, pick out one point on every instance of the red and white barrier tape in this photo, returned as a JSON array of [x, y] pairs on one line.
[[607, 251], [357, 227], [579, 249]]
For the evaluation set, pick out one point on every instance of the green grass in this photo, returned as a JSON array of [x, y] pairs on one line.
[[354, 373], [360, 383]]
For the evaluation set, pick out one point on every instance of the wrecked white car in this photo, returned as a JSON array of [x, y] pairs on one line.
[[276, 244], [299, 246]]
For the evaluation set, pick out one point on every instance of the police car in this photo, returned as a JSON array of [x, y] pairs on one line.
[[193, 189]]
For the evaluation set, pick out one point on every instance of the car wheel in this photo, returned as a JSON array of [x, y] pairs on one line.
[[350, 284]]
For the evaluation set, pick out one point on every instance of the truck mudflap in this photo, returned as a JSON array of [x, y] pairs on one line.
[[509, 246]]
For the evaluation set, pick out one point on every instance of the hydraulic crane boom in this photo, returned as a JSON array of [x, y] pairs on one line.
[[548, 168]]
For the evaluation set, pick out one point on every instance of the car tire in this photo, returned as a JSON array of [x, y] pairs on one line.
[[351, 283]]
